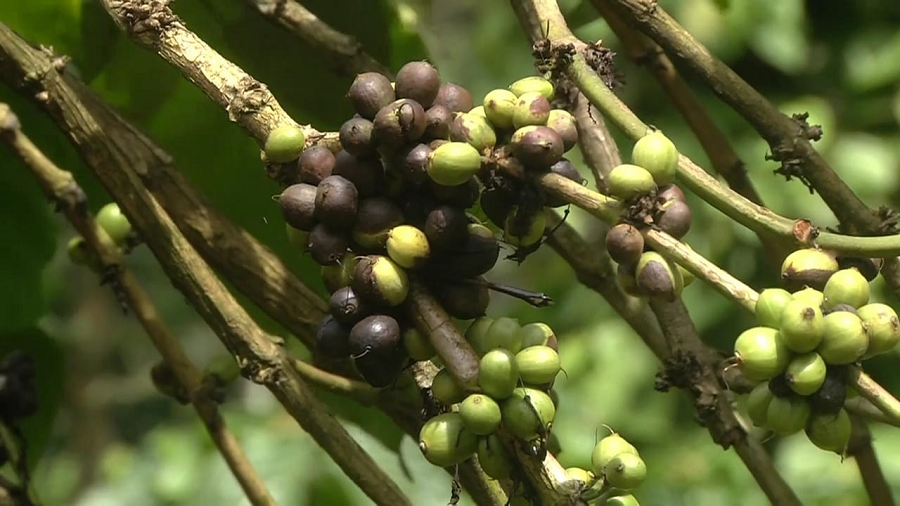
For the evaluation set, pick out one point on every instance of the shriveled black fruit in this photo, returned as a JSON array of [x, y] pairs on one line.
[[381, 369], [780, 387], [315, 164], [675, 218], [370, 92], [625, 244], [346, 307], [374, 334], [454, 97], [658, 277], [380, 281], [446, 227], [398, 123], [830, 397], [476, 256], [366, 173], [437, 122], [463, 195], [374, 219], [537, 146], [336, 202], [566, 169], [416, 208], [868, 267], [419, 81], [497, 202], [474, 130], [298, 204], [523, 230], [670, 192], [808, 267], [463, 300], [326, 245], [356, 137], [412, 163], [332, 338]]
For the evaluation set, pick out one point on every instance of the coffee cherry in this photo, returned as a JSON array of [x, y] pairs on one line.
[[830, 397], [625, 279], [779, 387], [563, 123], [538, 365], [437, 122], [579, 474], [830, 432], [531, 108], [758, 404], [806, 373], [787, 415], [670, 192], [407, 246], [417, 345], [378, 279], [463, 300], [808, 267], [498, 200], [374, 334], [339, 274], [566, 169], [811, 296], [381, 369], [770, 306], [657, 277], [332, 338], [78, 251], [532, 84], [445, 389], [284, 143], [336, 202], [374, 220], [868, 267], [656, 153], [114, 223], [622, 500], [675, 218], [454, 97], [504, 333], [846, 286], [461, 196], [445, 227], [625, 244], [347, 307], [475, 256], [476, 333], [499, 106], [444, 442], [474, 130], [845, 340], [538, 334], [326, 245], [528, 413], [530, 234], [842, 307], [480, 414], [356, 137], [882, 327], [802, 326], [400, 122], [366, 173], [492, 458], [369, 93], [536, 146], [498, 373], [628, 181], [315, 164], [625, 471], [418, 81], [453, 163], [298, 205], [761, 353], [607, 449]]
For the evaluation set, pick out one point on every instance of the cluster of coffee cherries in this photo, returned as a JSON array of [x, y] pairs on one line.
[[118, 233], [805, 344], [650, 199]]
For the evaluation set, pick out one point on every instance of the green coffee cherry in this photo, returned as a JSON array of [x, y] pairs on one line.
[[830, 432], [787, 415], [473, 129], [504, 333], [802, 326], [537, 146], [532, 84], [806, 373], [453, 163], [846, 286], [811, 296], [480, 414], [499, 106], [476, 332], [882, 327], [608, 448], [563, 123], [78, 251], [532, 108], [528, 413], [656, 153], [625, 471], [579, 474], [479, 111], [537, 334], [417, 345], [493, 458], [114, 223], [445, 389], [380, 280], [622, 500], [808, 267], [845, 340], [627, 181], [444, 441], [532, 235], [538, 365], [758, 404], [408, 246], [285, 144], [657, 277], [498, 373], [770, 305], [761, 354]]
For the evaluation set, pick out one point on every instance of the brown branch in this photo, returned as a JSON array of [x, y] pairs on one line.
[[860, 448], [62, 188], [344, 51]]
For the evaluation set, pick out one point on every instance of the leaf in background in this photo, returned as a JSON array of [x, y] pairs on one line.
[[406, 44], [99, 34], [374, 422], [780, 36]]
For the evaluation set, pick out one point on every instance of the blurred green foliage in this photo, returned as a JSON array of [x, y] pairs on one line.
[[116, 441]]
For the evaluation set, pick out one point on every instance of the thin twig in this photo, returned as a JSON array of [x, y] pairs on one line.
[[870, 390], [862, 451], [361, 392], [62, 188], [597, 145], [865, 409]]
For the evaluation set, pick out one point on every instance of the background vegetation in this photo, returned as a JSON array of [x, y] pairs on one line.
[[104, 436]]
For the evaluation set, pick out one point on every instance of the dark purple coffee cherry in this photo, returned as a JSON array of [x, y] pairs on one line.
[[370, 92], [356, 137], [400, 122], [625, 244], [381, 369], [437, 122], [332, 338], [327, 246], [374, 219], [463, 300], [566, 169], [455, 98], [675, 218], [537, 146], [346, 307], [336, 202], [374, 334], [419, 81], [413, 164], [366, 173], [298, 204], [446, 227], [315, 164]]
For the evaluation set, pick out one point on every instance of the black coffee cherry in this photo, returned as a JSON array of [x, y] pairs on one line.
[[463, 300], [381, 369], [315, 164], [419, 81], [566, 169], [356, 137], [377, 334], [398, 123], [670, 192], [416, 208], [625, 244], [455, 98], [413, 164], [374, 219], [347, 308], [474, 257], [336, 202], [463, 196], [327, 246], [868, 267], [675, 218], [366, 173], [437, 122], [497, 201], [332, 338], [446, 227], [830, 397], [537, 146], [369, 93], [298, 204], [780, 387]]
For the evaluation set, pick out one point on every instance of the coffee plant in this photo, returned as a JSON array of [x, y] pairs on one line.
[[414, 205]]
